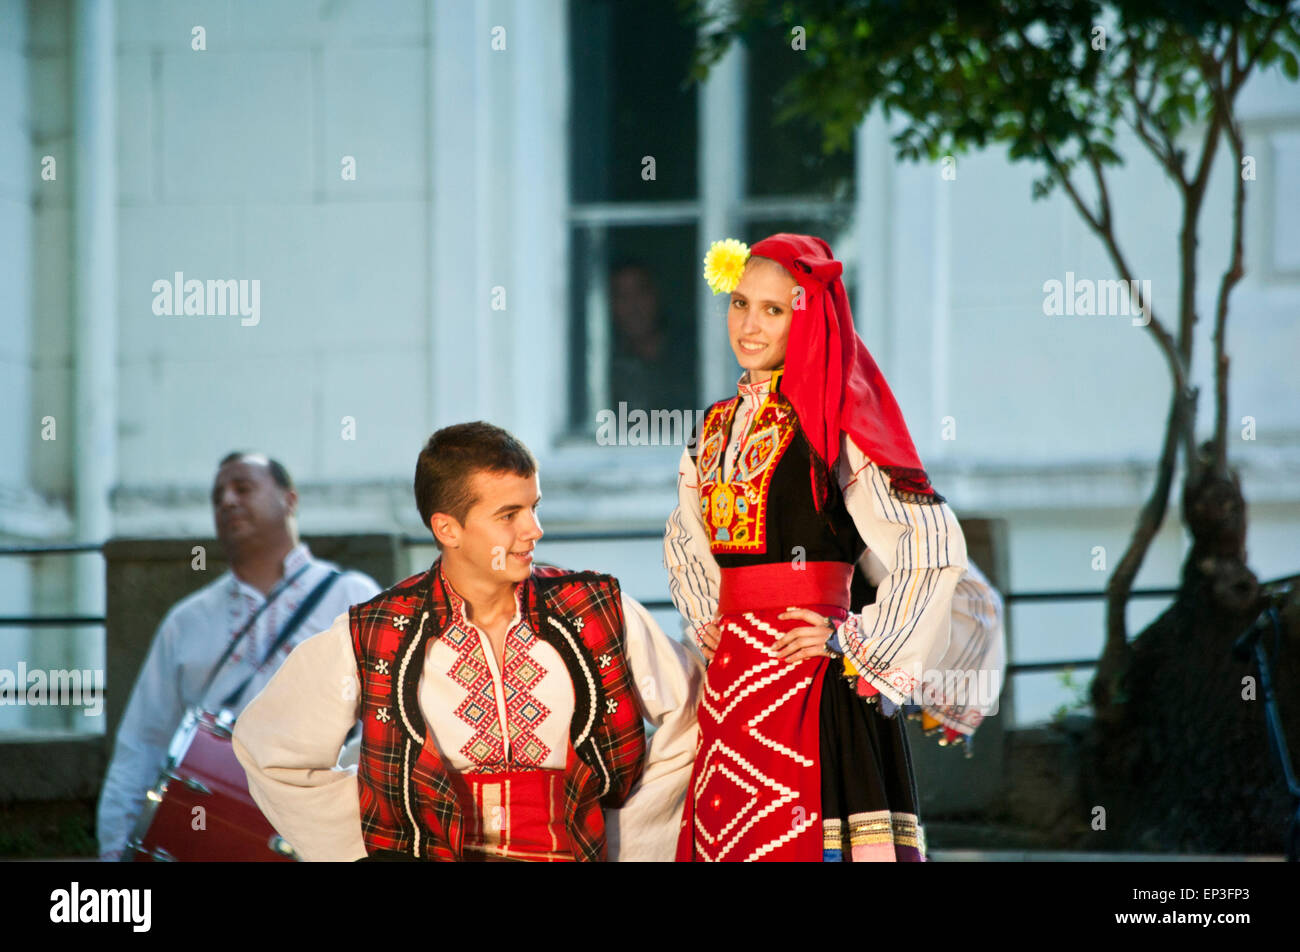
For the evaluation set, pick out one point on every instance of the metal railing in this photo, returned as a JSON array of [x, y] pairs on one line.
[[51, 621], [612, 535]]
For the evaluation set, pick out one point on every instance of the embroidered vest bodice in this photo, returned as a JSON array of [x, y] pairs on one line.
[[756, 493]]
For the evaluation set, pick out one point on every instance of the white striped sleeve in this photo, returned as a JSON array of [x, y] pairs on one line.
[[895, 642], [693, 575], [974, 667]]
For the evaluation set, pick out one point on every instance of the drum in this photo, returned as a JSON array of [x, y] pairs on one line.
[[200, 808]]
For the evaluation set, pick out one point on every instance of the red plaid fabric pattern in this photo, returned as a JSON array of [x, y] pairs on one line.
[[408, 803]]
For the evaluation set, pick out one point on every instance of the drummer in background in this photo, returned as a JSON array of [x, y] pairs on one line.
[[254, 507]]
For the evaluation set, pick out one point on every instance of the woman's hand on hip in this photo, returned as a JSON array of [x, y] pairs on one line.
[[806, 641], [709, 636]]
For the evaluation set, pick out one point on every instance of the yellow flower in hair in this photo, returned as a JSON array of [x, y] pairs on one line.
[[724, 264]]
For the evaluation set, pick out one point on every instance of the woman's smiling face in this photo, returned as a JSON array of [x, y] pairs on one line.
[[758, 320]]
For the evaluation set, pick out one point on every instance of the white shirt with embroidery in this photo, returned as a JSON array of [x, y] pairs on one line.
[[751, 400], [190, 640], [514, 717], [288, 738]]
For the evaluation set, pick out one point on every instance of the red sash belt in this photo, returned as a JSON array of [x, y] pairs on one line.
[[779, 585], [517, 814]]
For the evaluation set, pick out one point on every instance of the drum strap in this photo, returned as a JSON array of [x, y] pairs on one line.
[[295, 620], [234, 639]]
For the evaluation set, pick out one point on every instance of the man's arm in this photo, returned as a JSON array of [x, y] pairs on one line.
[[288, 741], [667, 680], [143, 736]]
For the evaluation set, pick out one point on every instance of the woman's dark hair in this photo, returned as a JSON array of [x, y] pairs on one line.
[[446, 465]]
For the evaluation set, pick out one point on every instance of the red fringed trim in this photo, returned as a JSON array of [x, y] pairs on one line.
[[911, 485], [819, 477]]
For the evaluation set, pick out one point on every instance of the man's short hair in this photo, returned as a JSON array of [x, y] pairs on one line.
[[278, 472], [448, 462]]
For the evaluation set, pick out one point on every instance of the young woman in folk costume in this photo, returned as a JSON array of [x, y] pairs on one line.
[[805, 474]]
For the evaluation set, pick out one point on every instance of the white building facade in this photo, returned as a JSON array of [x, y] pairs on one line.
[[424, 204]]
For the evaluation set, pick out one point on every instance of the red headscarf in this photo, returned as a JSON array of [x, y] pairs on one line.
[[830, 379]]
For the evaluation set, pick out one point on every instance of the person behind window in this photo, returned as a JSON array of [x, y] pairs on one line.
[[645, 371]]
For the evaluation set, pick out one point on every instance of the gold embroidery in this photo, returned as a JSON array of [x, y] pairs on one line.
[[881, 827], [867, 829], [735, 510]]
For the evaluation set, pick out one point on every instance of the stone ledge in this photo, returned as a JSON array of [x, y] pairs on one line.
[[36, 766]]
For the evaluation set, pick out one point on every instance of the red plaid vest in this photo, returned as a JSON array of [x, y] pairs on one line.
[[408, 805]]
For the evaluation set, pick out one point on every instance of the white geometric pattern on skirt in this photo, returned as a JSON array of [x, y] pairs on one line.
[[766, 795]]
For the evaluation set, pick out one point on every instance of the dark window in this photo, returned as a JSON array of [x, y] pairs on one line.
[[785, 158], [633, 306], [630, 60]]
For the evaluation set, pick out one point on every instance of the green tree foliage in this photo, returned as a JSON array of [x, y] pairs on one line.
[[1055, 82]]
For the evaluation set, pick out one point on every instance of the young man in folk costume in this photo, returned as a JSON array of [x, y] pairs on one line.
[[807, 473], [502, 702]]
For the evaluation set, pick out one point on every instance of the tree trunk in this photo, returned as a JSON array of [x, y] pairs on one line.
[[1185, 765], [1106, 691]]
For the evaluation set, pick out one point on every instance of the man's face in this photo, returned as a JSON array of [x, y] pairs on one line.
[[501, 529], [247, 504], [634, 301]]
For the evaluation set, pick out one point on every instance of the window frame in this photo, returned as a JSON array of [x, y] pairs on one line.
[[720, 210]]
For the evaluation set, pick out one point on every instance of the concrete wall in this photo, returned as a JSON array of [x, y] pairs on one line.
[[146, 577]]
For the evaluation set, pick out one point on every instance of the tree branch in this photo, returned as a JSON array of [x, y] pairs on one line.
[[1106, 232], [1193, 200], [1163, 155], [1107, 693], [1166, 152], [1236, 269], [1239, 79]]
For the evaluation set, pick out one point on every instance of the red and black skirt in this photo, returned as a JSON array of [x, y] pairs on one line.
[[793, 766]]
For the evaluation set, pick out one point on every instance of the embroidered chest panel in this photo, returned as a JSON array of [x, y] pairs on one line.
[[735, 509], [408, 803], [524, 711]]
